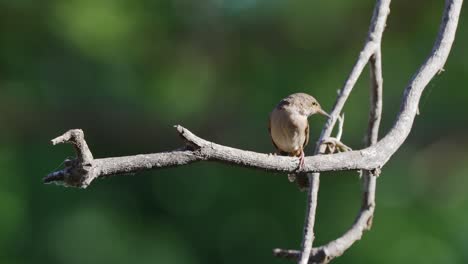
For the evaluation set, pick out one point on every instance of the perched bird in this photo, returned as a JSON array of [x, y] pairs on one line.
[[289, 128]]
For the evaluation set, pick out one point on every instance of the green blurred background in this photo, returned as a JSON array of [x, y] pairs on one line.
[[125, 71]]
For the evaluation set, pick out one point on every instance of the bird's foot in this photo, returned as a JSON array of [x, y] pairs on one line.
[[301, 161], [335, 145]]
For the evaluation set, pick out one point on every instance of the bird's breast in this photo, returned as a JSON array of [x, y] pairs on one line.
[[288, 130]]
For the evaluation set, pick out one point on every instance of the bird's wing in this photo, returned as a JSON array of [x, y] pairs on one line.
[[306, 141], [269, 132]]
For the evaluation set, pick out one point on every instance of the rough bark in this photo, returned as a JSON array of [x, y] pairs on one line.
[[82, 170]]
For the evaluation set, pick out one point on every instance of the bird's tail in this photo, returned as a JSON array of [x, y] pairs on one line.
[[301, 180]]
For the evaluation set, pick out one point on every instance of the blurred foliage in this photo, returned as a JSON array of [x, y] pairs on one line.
[[125, 71]]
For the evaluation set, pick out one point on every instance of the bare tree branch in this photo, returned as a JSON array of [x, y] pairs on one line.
[[372, 46], [81, 171], [376, 92], [433, 64], [198, 149]]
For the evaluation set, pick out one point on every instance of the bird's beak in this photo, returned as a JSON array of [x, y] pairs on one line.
[[320, 111]]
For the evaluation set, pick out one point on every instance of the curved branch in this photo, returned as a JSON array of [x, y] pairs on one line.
[[76, 137], [395, 137], [372, 46]]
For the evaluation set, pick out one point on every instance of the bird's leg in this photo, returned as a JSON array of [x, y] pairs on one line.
[[301, 160], [300, 177], [293, 176]]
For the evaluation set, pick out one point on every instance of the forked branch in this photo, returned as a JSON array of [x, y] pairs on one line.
[[81, 171], [371, 50], [394, 138], [197, 149]]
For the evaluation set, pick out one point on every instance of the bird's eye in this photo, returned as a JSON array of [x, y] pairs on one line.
[[314, 103]]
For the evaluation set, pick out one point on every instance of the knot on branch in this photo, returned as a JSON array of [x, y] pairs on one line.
[[79, 171], [376, 172]]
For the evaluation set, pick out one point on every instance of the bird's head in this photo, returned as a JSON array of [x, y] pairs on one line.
[[306, 104]]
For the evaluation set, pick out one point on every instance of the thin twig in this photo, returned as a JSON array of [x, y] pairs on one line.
[[379, 18], [76, 137], [364, 218], [339, 134], [376, 91], [79, 171]]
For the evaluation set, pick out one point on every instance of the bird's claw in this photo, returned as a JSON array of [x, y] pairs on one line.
[[301, 161], [334, 145]]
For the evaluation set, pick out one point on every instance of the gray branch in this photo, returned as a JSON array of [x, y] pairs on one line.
[[393, 140], [81, 171], [371, 49], [80, 174]]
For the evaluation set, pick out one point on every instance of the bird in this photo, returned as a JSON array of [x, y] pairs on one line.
[[288, 127]]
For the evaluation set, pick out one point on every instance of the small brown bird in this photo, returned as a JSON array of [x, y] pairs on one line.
[[289, 127]]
